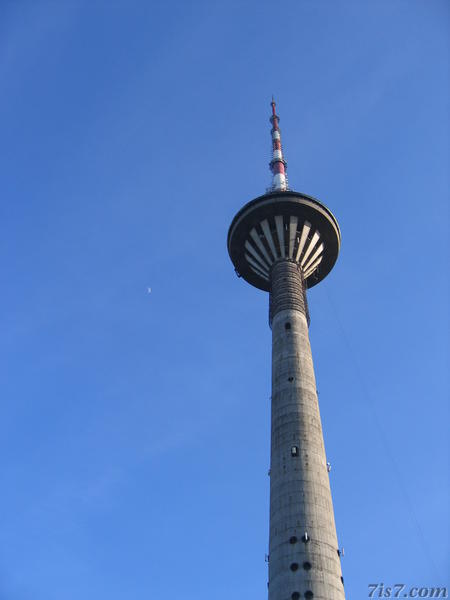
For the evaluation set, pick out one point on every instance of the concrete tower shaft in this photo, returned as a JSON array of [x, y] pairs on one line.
[[303, 549]]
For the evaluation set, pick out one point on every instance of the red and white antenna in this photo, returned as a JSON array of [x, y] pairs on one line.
[[278, 165]]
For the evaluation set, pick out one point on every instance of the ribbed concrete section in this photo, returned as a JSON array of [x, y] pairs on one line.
[[300, 496]]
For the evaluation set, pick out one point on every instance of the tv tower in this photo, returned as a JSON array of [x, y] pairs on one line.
[[284, 242]]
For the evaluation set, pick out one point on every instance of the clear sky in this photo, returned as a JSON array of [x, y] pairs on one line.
[[134, 429]]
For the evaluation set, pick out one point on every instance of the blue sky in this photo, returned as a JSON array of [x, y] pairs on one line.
[[134, 430]]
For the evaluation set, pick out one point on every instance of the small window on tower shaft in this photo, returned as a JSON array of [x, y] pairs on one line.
[[287, 326], [294, 451]]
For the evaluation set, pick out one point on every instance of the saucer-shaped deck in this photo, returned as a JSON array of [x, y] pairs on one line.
[[283, 225]]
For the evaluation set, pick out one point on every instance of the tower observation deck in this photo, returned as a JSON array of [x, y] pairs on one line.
[[285, 242]]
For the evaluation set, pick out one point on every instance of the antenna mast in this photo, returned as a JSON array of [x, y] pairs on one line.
[[278, 165]]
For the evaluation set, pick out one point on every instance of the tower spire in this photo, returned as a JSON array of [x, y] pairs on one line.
[[278, 165]]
